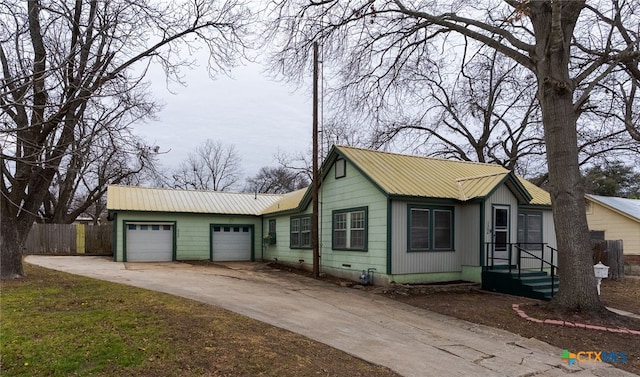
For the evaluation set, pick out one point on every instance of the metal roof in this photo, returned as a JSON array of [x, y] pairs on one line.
[[540, 197], [133, 198], [289, 202], [417, 176], [627, 207]]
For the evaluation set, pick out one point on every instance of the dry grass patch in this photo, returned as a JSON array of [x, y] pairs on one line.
[[58, 324]]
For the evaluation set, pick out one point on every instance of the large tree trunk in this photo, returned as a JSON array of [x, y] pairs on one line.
[[11, 243], [554, 23], [577, 281]]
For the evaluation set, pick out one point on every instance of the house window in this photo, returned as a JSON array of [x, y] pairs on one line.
[[442, 230], [530, 230], [350, 229], [271, 240], [341, 168], [305, 232], [300, 232], [357, 230], [419, 225], [340, 231], [295, 233], [430, 228]]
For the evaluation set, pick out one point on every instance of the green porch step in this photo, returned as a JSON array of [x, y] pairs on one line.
[[533, 284]]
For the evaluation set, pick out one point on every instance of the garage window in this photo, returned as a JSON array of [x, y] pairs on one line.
[[131, 226]]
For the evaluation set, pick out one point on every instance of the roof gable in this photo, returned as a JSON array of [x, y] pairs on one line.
[[133, 198], [399, 175], [626, 207]]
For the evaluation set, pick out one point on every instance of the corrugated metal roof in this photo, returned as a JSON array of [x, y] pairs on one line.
[[540, 197], [288, 202], [628, 207], [417, 176], [475, 187], [133, 198]]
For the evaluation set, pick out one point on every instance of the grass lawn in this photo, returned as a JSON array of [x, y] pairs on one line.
[[58, 324]]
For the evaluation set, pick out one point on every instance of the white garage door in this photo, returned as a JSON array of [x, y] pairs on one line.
[[149, 242], [231, 243]]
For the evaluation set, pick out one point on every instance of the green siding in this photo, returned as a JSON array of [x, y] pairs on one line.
[[349, 192], [353, 191], [192, 231], [281, 250]]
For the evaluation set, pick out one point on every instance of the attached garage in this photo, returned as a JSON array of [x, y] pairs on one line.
[[155, 224], [231, 242], [149, 242]]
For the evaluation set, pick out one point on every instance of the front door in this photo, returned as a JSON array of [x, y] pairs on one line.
[[501, 220]]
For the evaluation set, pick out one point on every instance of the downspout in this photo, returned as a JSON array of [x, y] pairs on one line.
[[389, 235], [482, 223], [114, 237]]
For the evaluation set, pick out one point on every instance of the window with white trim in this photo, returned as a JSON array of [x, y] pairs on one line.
[[340, 231], [350, 229], [300, 232]]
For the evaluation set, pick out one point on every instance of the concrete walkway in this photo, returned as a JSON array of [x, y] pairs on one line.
[[409, 340]]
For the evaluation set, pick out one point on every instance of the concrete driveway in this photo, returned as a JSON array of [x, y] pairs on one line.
[[410, 341]]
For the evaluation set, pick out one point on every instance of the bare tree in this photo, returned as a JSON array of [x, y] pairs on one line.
[[298, 162], [487, 113], [212, 166], [276, 180], [101, 155], [72, 67], [581, 56]]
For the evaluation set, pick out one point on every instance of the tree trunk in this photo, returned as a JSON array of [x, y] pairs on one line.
[[577, 289], [11, 248], [554, 24]]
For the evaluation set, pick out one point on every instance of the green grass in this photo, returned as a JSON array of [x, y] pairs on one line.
[[57, 324]]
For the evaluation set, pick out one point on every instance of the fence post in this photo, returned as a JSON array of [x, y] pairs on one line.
[[80, 239]]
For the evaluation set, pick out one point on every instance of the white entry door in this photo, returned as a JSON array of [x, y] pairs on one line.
[[501, 221]]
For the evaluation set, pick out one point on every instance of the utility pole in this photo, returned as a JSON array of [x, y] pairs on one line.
[[314, 183]]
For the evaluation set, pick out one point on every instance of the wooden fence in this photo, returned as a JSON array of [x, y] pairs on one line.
[[610, 253], [69, 239]]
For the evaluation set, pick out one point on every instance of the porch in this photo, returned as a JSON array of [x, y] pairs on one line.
[[521, 269]]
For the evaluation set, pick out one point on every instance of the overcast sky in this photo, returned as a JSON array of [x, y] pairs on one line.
[[257, 115]]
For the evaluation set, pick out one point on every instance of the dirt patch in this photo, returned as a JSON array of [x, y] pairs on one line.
[[468, 302], [494, 309]]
